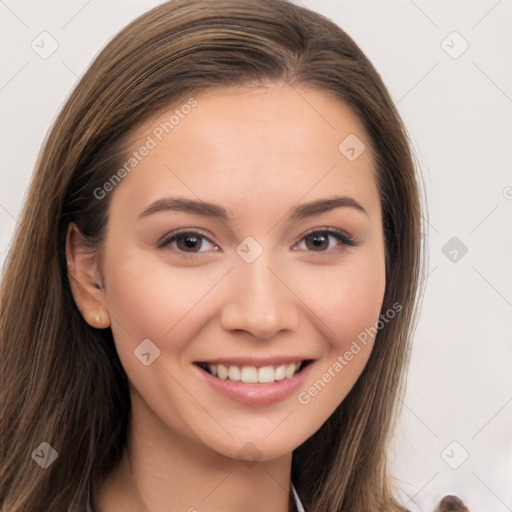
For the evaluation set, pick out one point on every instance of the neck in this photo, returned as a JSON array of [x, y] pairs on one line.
[[162, 470]]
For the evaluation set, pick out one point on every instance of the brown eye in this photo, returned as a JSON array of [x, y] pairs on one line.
[[188, 242], [318, 241], [325, 240]]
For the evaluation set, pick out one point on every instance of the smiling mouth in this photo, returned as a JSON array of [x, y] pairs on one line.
[[255, 375]]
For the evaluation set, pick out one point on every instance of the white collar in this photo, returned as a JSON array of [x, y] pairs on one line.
[[300, 506]]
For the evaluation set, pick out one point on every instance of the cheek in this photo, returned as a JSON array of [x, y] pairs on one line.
[[360, 301], [346, 297], [347, 309], [155, 301], [136, 298]]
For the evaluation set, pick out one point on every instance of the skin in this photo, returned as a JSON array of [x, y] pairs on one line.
[[257, 152]]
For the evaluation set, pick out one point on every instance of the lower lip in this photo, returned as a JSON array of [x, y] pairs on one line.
[[257, 394]]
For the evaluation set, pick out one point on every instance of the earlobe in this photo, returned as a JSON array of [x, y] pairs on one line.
[[85, 280]]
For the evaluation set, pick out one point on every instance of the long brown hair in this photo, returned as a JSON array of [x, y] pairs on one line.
[[63, 382]]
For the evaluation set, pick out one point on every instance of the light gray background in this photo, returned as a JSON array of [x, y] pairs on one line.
[[458, 113]]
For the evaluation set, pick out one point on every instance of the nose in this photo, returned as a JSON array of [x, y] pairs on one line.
[[259, 301]]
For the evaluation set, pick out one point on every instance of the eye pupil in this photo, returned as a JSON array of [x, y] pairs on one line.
[[318, 241], [190, 242]]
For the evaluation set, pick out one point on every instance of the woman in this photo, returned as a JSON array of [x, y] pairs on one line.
[[209, 301]]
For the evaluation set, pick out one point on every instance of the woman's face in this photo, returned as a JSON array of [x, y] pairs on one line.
[[245, 265]]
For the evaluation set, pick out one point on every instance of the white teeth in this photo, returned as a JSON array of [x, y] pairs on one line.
[[290, 370], [253, 375], [266, 374], [222, 372], [234, 373], [249, 375], [280, 372]]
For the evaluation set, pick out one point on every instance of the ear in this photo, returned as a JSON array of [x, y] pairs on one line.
[[85, 279]]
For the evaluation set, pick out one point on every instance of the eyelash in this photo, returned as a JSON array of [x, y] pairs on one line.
[[340, 235]]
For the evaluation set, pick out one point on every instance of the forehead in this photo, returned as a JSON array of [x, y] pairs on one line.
[[238, 145]]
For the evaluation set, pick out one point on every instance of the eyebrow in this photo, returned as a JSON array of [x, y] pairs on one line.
[[192, 206]]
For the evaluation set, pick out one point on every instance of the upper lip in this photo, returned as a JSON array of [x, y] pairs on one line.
[[256, 361]]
